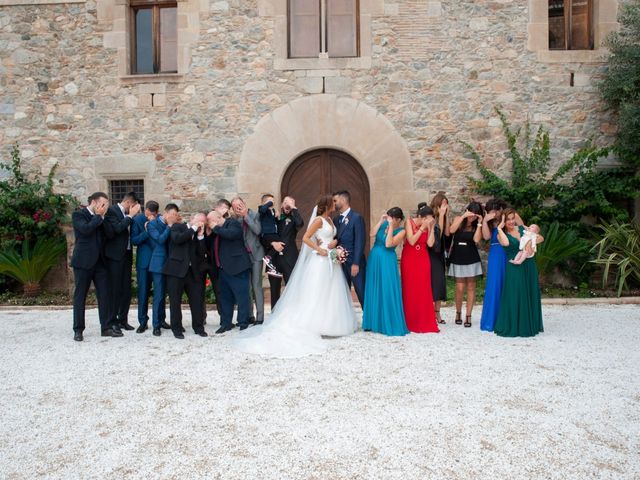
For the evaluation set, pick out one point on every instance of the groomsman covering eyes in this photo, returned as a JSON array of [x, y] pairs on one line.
[[159, 230], [119, 254], [185, 268], [89, 265]]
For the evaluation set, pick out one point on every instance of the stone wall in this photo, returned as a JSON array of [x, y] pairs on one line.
[[437, 69]]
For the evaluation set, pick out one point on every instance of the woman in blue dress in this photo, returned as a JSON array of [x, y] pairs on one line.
[[383, 312], [495, 265]]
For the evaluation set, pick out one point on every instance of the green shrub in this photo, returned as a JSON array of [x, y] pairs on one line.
[[560, 249], [31, 265], [619, 248]]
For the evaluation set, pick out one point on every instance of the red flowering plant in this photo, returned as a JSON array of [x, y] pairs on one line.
[[29, 207]]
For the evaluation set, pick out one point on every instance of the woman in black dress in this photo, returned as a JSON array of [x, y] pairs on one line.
[[465, 259], [440, 206]]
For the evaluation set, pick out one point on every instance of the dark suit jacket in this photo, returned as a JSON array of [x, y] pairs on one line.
[[232, 253], [351, 235], [140, 238], [184, 250], [159, 234], [288, 228], [116, 228], [89, 239]]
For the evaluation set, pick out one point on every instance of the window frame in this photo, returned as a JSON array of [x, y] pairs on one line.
[[118, 187], [568, 26], [155, 6], [323, 32]]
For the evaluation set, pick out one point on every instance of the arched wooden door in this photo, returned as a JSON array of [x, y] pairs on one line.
[[326, 171]]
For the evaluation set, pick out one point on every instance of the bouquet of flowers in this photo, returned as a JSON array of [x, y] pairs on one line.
[[338, 255]]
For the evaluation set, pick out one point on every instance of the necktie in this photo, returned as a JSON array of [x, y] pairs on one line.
[[216, 250]]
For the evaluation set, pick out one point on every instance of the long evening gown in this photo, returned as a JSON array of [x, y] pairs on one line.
[[495, 279], [520, 312], [417, 298], [382, 310]]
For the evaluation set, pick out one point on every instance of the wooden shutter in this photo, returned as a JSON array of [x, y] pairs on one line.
[[557, 33], [342, 28], [580, 21], [304, 28], [168, 39]]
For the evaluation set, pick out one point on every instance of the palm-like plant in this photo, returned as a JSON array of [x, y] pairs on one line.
[[30, 266], [619, 248], [558, 248]]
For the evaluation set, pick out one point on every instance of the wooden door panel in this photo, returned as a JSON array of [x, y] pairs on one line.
[[326, 171]]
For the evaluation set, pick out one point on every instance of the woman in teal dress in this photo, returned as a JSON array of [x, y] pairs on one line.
[[383, 312], [520, 312]]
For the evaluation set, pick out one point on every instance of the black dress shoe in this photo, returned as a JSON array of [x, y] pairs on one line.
[[243, 327], [110, 332], [223, 329], [126, 326], [157, 332], [141, 329], [178, 335], [165, 325], [251, 321], [116, 329], [78, 336], [202, 334]]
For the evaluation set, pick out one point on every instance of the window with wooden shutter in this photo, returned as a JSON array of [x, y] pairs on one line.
[[342, 28], [304, 28], [323, 28], [570, 24], [154, 39]]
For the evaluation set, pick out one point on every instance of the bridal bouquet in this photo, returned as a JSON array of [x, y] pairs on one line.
[[338, 255]]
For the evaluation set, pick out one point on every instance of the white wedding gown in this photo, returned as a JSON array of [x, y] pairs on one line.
[[316, 303]]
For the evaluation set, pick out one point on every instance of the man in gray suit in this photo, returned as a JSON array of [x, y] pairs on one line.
[[251, 230]]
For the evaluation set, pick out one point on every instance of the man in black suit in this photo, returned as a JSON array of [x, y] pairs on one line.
[[89, 264], [119, 255], [221, 208], [185, 269], [234, 266], [289, 224]]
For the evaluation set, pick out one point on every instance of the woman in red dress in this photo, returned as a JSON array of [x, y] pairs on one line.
[[415, 267]]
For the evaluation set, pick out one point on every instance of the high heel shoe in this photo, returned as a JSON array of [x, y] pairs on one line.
[[458, 319], [467, 322], [439, 318]]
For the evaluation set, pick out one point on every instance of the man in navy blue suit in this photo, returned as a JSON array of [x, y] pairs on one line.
[[159, 230], [234, 264], [140, 238], [89, 264], [351, 235]]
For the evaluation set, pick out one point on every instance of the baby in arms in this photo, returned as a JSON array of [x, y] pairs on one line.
[[528, 244]]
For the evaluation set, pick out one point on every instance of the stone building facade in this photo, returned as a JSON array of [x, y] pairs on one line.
[[239, 112]]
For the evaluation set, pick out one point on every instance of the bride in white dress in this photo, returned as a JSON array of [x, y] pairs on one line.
[[316, 301]]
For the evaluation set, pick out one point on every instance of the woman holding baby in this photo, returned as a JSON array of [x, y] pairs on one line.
[[520, 313]]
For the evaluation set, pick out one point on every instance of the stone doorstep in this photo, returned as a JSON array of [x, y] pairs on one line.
[[267, 309]]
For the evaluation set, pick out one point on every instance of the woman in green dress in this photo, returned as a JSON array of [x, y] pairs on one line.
[[520, 312]]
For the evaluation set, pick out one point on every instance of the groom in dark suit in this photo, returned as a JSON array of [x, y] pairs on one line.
[[351, 235]]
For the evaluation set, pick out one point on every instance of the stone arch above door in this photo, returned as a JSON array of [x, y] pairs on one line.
[[325, 121]]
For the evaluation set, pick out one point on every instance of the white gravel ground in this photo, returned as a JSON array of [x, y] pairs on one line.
[[462, 404]]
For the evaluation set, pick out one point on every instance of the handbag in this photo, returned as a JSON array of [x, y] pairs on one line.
[[448, 253]]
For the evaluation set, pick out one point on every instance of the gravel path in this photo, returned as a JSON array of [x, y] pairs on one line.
[[462, 405]]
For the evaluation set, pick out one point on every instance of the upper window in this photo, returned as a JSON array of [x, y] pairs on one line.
[[323, 28], [154, 39], [570, 24]]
